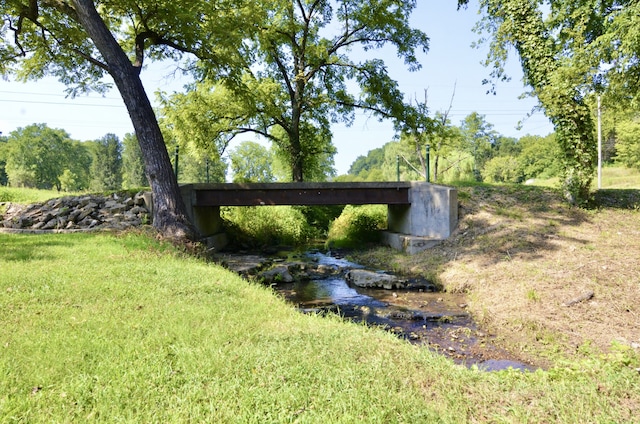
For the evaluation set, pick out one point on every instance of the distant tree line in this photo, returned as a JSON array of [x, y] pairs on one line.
[[474, 151], [41, 157], [38, 156]]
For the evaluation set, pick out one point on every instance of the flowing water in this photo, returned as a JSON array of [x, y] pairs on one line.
[[436, 320]]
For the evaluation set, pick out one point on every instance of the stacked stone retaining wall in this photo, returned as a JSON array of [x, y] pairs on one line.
[[117, 211]]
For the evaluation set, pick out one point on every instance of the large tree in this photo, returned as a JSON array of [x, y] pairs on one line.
[[578, 49], [557, 75], [299, 86], [80, 43]]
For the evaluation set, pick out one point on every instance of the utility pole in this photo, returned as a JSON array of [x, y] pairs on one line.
[[427, 171], [599, 145]]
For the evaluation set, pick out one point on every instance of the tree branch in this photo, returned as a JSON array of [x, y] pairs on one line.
[[32, 13], [370, 108], [282, 69]]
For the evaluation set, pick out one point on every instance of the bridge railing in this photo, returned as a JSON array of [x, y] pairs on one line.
[[341, 193]]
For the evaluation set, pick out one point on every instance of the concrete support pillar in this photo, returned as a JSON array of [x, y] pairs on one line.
[[206, 219], [433, 212]]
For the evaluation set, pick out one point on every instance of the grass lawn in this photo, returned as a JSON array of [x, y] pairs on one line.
[[123, 328], [613, 177]]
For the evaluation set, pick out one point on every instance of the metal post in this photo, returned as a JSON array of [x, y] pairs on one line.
[[175, 164], [427, 160], [398, 167], [207, 170], [599, 146]]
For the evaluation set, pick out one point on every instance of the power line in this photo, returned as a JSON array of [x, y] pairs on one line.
[[42, 102], [51, 94]]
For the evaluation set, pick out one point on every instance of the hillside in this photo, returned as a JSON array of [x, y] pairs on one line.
[[549, 280]]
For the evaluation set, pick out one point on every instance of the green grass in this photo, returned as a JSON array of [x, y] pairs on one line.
[[613, 177], [105, 328], [34, 195], [619, 177], [26, 195]]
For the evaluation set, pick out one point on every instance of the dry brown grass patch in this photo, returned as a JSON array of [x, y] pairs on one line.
[[521, 253]]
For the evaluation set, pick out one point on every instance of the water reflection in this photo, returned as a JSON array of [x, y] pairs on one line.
[[327, 291]]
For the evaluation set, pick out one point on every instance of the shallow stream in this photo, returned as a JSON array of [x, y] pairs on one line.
[[436, 320]]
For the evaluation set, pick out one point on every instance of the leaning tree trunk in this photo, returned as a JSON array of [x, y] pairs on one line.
[[169, 212]]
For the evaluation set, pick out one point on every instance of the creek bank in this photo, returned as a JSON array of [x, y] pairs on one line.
[[117, 211], [314, 282]]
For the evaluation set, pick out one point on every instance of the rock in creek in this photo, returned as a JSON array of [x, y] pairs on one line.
[[277, 274], [244, 265], [378, 280]]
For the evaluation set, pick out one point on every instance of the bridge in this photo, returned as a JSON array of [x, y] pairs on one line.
[[420, 214]]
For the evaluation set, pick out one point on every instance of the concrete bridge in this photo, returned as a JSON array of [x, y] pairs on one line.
[[420, 214]]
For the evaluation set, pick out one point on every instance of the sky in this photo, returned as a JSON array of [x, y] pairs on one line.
[[450, 64]]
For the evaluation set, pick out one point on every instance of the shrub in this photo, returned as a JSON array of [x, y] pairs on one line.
[[267, 225], [501, 169], [357, 225]]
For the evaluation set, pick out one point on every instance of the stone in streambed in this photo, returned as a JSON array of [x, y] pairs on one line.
[[377, 280]]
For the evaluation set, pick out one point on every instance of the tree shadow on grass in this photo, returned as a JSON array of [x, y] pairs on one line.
[[28, 247], [503, 222], [616, 199]]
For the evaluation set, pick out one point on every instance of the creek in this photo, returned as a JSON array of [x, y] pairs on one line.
[[436, 320]]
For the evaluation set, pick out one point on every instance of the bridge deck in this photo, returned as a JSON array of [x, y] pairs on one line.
[[341, 193]]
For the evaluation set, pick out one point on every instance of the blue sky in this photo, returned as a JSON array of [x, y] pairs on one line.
[[450, 63]]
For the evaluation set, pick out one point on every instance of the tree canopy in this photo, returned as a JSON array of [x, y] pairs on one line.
[[555, 79], [106, 168], [298, 84], [570, 51], [132, 164], [251, 162], [37, 156], [80, 42]]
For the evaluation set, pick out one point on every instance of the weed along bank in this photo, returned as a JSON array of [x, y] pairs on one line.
[[420, 215]]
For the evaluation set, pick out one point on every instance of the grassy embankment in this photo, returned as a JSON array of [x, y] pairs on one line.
[[106, 328], [123, 328], [554, 283], [101, 327]]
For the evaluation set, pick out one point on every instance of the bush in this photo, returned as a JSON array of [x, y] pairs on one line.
[[357, 225], [502, 169], [267, 225], [5, 195]]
